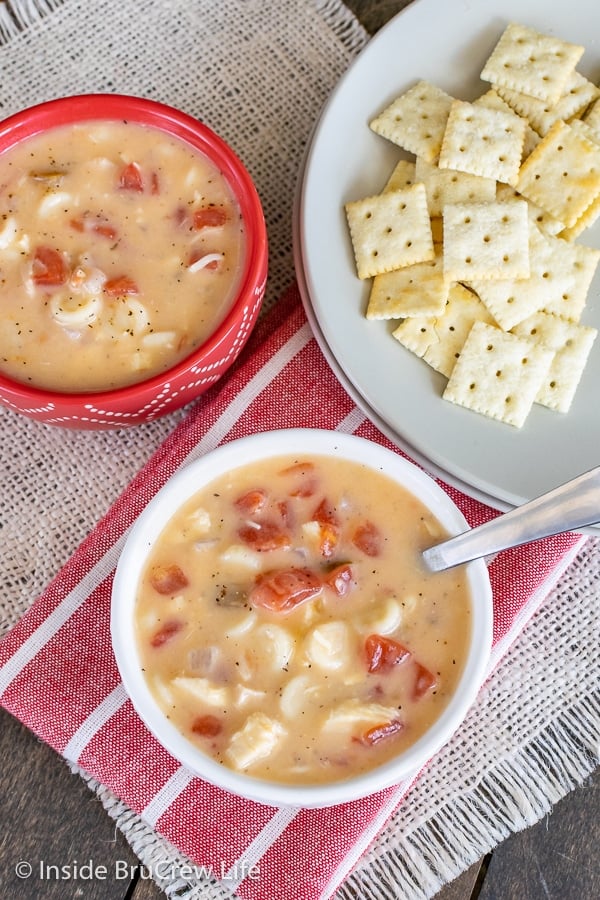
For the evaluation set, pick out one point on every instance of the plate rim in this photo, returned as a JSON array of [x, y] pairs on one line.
[[499, 501]]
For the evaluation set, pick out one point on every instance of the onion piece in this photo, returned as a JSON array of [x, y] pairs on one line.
[[8, 234], [204, 660], [205, 261]]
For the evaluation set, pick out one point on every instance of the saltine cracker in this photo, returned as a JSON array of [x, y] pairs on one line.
[[416, 120], [530, 62], [498, 374], [484, 141], [390, 230], [486, 240]]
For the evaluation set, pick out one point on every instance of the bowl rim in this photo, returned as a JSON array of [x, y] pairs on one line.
[[188, 480], [89, 107]]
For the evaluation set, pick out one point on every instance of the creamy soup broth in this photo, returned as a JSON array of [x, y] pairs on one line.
[[286, 627], [120, 251]]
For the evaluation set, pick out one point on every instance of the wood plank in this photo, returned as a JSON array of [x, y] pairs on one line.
[[373, 14], [145, 889], [466, 886], [51, 819], [557, 857]]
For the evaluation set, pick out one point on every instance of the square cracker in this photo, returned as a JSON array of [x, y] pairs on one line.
[[493, 99], [486, 240], [560, 276], [578, 94], [592, 116], [437, 231], [417, 334], [439, 339], [530, 62], [591, 132], [592, 212], [416, 120], [562, 175], [568, 275], [483, 141], [402, 176], [498, 374], [447, 186], [463, 309], [584, 221], [547, 223], [390, 230], [419, 290], [571, 344]]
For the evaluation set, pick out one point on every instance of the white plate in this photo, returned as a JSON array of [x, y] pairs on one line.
[[446, 43]]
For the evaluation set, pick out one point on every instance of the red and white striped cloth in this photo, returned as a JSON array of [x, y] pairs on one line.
[[59, 677]]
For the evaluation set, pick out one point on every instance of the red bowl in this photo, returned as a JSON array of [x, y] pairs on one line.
[[188, 379]]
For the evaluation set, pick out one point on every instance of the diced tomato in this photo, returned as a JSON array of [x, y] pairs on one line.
[[307, 485], [166, 633], [308, 488], [94, 224], [329, 537], [206, 726], [121, 285], [340, 579], [265, 536], [325, 514], [49, 268], [329, 527], [209, 217], [131, 178], [283, 590], [78, 276], [251, 502], [299, 468], [180, 215], [381, 732], [195, 255], [383, 653], [424, 681], [367, 538], [168, 579], [283, 508], [104, 230]]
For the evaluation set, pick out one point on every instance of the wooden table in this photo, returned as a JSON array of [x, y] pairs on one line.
[[49, 816]]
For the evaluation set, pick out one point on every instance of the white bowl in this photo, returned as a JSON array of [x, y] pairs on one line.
[[187, 482]]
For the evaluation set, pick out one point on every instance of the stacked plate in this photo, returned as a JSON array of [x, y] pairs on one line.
[[446, 44]]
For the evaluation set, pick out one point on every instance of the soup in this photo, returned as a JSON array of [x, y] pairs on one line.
[[121, 249], [286, 627]]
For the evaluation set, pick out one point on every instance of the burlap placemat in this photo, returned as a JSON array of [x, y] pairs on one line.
[[535, 731]]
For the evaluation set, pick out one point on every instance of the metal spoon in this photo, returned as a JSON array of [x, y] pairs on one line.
[[573, 505]]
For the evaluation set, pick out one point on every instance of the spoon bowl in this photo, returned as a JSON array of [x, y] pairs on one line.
[[573, 505]]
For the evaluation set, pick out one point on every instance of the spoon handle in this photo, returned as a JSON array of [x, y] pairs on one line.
[[566, 508]]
